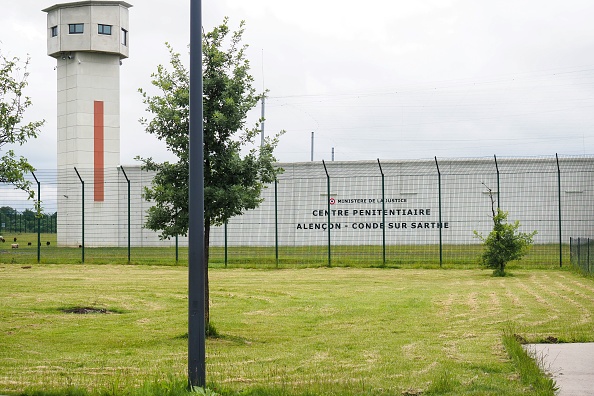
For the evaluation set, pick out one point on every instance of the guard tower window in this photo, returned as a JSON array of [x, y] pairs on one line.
[[104, 29], [54, 31], [76, 28], [124, 36]]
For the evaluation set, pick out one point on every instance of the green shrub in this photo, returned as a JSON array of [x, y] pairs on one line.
[[504, 243]]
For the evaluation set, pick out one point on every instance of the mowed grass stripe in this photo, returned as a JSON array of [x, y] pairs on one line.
[[344, 330], [559, 297]]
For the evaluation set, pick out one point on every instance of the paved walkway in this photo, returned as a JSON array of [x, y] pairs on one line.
[[571, 365]]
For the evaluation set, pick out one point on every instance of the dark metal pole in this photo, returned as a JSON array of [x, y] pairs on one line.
[[38, 215], [196, 248], [82, 214], [559, 194], [329, 222], [128, 181], [498, 187], [276, 220], [383, 214], [578, 254], [226, 245], [571, 258], [440, 222]]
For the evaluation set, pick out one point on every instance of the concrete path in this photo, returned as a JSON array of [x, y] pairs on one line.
[[571, 365]]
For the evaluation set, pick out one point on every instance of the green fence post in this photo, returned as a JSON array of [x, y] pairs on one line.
[[38, 215], [439, 209], [579, 264], [128, 182], [559, 194], [82, 213], [276, 219], [498, 186], [383, 214], [129, 235], [329, 221], [571, 252], [225, 229]]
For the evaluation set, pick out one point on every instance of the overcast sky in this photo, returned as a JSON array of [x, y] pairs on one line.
[[386, 79]]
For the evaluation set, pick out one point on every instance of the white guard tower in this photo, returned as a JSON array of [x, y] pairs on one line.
[[88, 39]]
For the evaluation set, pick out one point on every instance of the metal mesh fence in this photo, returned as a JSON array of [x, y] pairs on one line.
[[582, 254], [369, 213]]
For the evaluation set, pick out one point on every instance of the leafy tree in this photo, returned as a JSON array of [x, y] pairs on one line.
[[504, 243], [26, 221], [6, 218], [234, 176], [29, 221], [6, 210], [13, 103]]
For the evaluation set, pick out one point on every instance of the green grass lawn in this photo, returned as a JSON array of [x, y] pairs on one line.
[[333, 331]]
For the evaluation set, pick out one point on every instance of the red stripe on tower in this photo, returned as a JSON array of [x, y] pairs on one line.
[[99, 150]]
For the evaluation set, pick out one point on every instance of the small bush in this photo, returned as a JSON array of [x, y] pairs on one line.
[[504, 243]]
